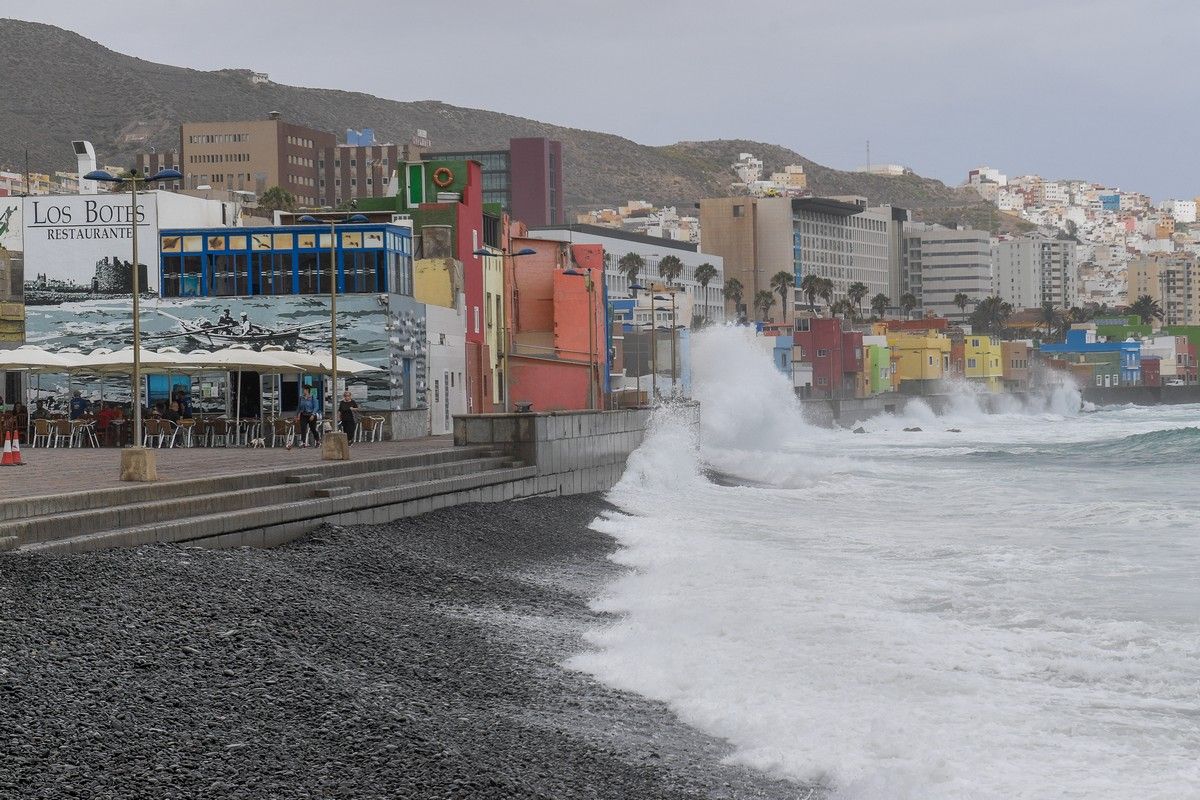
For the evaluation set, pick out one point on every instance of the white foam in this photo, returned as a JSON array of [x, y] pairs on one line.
[[900, 618]]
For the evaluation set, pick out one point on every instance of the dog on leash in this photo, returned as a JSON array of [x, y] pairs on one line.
[[258, 443]]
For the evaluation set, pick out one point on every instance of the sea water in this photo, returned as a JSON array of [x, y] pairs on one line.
[[1009, 611]]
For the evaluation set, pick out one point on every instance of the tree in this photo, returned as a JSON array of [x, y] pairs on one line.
[[1050, 317], [275, 199], [734, 292], [908, 301], [1147, 309], [826, 290], [962, 301], [763, 300], [880, 303], [856, 293], [991, 315], [630, 265], [843, 307], [704, 275], [780, 283], [811, 286], [670, 268]]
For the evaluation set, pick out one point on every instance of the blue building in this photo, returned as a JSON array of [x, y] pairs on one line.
[[1083, 342], [270, 286], [1110, 202]]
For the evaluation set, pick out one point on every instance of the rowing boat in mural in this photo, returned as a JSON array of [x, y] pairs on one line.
[[226, 331]]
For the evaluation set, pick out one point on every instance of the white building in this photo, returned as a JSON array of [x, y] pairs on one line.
[[446, 341], [1180, 210], [937, 264], [748, 168], [707, 302], [986, 174], [1035, 269], [846, 243]]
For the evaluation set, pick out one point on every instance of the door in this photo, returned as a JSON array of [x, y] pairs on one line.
[[446, 402]]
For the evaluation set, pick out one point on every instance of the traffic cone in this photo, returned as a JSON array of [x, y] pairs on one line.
[[16, 455], [7, 461]]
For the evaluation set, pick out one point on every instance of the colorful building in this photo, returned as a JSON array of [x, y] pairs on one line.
[[922, 359], [1015, 359], [835, 356], [880, 366], [1082, 346], [559, 342], [983, 361]]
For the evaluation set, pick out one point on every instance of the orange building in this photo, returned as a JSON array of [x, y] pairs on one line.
[[557, 360]]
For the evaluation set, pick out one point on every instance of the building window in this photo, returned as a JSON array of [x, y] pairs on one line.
[[822, 353], [822, 381], [739, 210], [970, 363]]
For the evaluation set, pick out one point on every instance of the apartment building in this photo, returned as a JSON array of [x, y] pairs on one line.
[[1173, 279], [938, 264], [844, 242], [254, 155], [1035, 269]]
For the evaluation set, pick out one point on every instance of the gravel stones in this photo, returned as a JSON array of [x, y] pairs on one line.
[[413, 660]]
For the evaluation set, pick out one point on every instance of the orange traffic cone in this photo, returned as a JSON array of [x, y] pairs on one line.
[[7, 461], [16, 454]]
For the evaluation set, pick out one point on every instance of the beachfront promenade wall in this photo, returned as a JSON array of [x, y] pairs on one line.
[[572, 451], [1141, 395]]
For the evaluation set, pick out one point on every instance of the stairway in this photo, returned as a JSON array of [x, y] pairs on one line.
[[264, 508]]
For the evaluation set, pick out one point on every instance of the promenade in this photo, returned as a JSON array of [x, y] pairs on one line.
[[56, 471]]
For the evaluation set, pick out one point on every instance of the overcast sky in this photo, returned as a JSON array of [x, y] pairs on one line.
[[1095, 89]]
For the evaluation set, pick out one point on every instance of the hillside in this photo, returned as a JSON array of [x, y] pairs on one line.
[[60, 86]]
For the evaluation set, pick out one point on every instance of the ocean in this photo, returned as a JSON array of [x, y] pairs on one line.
[[1008, 611]]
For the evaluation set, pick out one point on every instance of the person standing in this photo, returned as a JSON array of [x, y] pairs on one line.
[[79, 406], [307, 418], [346, 412]]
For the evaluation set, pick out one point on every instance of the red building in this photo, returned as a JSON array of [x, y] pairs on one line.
[[1151, 371], [836, 357], [554, 364]]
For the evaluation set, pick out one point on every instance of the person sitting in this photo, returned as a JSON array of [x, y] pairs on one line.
[[79, 406], [226, 320], [40, 411], [183, 402]]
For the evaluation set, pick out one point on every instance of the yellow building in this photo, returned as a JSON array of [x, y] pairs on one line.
[[983, 361], [922, 358]]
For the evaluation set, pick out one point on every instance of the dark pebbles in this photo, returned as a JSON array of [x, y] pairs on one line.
[[413, 660]]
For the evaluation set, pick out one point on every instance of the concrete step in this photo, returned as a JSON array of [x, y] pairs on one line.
[[48, 505], [61, 526], [284, 521], [8, 543]]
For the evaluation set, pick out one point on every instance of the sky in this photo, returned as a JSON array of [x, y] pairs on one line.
[[1093, 89]]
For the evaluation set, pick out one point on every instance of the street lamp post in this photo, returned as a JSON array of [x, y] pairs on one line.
[[335, 446], [503, 346], [137, 463]]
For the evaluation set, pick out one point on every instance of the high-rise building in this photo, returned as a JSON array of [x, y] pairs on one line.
[[526, 179], [938, 264], [1035, 269], [253, 155], [844, 242], [152, 162], [753, 237], [1173, 279]]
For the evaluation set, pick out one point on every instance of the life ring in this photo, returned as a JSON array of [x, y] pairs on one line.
[[442, 177]]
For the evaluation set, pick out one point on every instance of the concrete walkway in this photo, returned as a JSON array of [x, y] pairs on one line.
[[53, 471]]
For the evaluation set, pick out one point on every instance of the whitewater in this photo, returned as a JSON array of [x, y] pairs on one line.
[[1008, 611]]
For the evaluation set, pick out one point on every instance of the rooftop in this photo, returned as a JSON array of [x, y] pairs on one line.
[[617, 233]]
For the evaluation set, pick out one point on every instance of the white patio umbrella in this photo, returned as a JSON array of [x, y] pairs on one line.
[[321, 363], [241, 358]]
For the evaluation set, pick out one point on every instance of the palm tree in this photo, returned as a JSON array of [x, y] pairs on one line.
[[908, 301], [856, 293], [763, 300], [826, 290], [843, 307], [991, 315], [704, 275], [962, 301], [275, 199], [1050, 317], [630, 265], [1147, 309], [670, 268], [880, 303], [811, 286], [734, 291], [780, 282]]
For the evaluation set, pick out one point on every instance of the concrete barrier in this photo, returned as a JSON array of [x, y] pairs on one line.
[[1141, 395], [572, 451]]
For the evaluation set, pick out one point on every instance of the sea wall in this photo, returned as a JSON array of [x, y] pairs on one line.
[[833, 412], [1141, 395], [573, 451]]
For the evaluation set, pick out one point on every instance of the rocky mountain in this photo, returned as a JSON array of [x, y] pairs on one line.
[[58, 86]]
